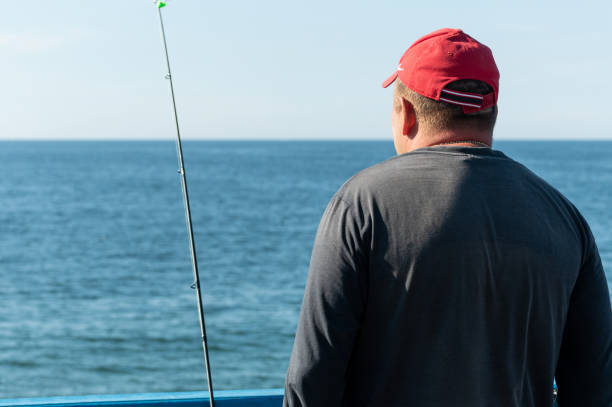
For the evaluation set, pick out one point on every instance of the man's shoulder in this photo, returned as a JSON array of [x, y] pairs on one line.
[[428, 169], [407, 168], [369, 178], [373, 185]]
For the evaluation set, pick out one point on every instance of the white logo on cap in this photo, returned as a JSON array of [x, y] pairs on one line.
[[399, 67]]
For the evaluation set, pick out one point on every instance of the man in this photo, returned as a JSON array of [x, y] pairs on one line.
[[451, 275]]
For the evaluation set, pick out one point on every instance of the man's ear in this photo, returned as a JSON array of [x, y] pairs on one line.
[[409, 117]]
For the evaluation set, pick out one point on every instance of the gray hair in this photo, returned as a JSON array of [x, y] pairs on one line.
[[437, 115]]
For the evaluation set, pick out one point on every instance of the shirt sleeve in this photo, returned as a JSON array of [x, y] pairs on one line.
[[331, 311], [584, 368]]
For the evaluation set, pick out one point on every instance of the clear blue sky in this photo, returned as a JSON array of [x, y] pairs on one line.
[[75, 69]]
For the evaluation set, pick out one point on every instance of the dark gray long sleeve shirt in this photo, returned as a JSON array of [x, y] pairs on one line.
[[452, 276]]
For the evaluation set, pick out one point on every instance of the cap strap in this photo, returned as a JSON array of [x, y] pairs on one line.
[[461, 98], [471, 102]]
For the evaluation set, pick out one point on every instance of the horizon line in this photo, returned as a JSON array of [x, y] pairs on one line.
[[232, 140]]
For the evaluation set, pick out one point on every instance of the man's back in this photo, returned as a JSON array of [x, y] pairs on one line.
[[445, 276]]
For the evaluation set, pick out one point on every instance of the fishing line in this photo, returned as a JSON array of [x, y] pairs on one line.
[[181, 171]]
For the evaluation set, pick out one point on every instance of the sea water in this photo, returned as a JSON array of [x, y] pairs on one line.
[[95, 270]]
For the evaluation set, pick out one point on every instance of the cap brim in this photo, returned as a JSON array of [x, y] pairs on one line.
[[390, 80]]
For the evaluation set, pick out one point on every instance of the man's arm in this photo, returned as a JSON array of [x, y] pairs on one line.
[[584, 369], [331, 311]]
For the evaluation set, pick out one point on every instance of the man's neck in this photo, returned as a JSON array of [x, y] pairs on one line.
[[457, 138], [466, 143]]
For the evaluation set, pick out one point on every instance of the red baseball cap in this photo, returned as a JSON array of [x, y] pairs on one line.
[[442, 57]]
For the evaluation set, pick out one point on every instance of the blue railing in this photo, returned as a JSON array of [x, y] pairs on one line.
[[223, 398], [227, 398]]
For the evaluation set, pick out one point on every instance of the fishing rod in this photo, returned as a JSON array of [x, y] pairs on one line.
[[181, 171]]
